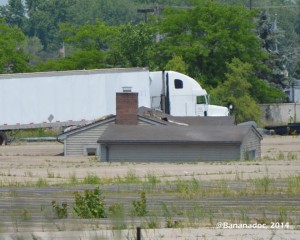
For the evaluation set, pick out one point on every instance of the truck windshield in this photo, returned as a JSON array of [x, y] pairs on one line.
[[201, 100]]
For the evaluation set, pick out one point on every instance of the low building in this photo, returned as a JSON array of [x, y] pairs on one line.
[[82, 140], [147, 135], [179, 143]]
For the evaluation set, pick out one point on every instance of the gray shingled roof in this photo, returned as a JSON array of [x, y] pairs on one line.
[[174, 134], [204, 121], [191, 121]]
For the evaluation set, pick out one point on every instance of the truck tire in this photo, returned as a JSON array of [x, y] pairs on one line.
[[3, 138]]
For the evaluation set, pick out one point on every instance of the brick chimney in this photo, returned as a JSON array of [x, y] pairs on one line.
[[127, 107]]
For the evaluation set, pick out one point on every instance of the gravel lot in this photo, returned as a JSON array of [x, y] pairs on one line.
[[28, 162]]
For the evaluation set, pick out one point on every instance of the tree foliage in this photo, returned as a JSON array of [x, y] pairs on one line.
[[236, 91], [177, 64], [12, 57], [132, 46], [207, 36]]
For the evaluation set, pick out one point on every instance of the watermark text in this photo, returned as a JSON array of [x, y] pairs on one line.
[[272, 225]]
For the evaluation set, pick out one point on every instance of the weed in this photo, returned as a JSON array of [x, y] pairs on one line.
[[92, 179], [73, 179], [222, 187], [293, 185], [42, 182], [34, 237], [131, 177], [93, 159], [292, 156], [263, 219], [244, 218], [170, 223], [152, 179], [188, 189], [89, 205], [50, 174], [140, 206], [152, 223], [25, 214], [195, 214], [117, 212], [173, 224], [60, 211], [283, 216], [280, 156], [211, 217], [263, 184]]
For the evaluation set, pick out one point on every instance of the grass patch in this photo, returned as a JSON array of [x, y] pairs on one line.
[[31, 133], [188, 189], [42, 182], [293, 185], [92, 179], [263, 185], [73, 180]]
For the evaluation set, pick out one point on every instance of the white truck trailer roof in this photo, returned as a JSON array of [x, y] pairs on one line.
[[32, 99]]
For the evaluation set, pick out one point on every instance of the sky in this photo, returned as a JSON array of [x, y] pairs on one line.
[[3, 2]]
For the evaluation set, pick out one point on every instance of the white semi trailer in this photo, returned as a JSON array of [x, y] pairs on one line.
[[53, 99]]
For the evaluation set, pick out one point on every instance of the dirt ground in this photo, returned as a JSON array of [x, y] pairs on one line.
[[280, 157], [26, 162]]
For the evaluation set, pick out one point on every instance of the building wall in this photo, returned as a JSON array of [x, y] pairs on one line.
[[171, 153], [251, 146], [76, 143], [283, 113]]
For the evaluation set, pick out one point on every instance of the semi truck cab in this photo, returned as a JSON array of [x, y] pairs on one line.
[[180, 95]]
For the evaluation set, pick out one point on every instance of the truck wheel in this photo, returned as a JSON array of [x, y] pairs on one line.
[[3, 138]]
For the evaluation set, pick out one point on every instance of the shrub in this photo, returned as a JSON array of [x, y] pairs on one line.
[[90, 204], [140, 207], [60, 211]]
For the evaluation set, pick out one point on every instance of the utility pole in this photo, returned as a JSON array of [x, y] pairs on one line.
[[250, 4], [145, 11]]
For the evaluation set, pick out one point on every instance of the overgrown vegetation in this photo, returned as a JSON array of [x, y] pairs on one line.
[[153, 200], [61, 211], [33, 133], [140, 206], [90, 204], [176, 204]]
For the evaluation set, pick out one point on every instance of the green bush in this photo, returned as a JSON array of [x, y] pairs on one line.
[[140, 207], [60, 211], [90, 204]]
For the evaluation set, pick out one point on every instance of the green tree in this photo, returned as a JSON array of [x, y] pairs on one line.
[[14, 13], [89, 36], [236, 91], [207, 36], [79, 60], [12, 57], [177, 64], [132, 46], [44, 17], [112, 12], [90, 45]]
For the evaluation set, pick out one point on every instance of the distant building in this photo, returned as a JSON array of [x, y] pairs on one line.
[[146, 135], [179, 143]]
